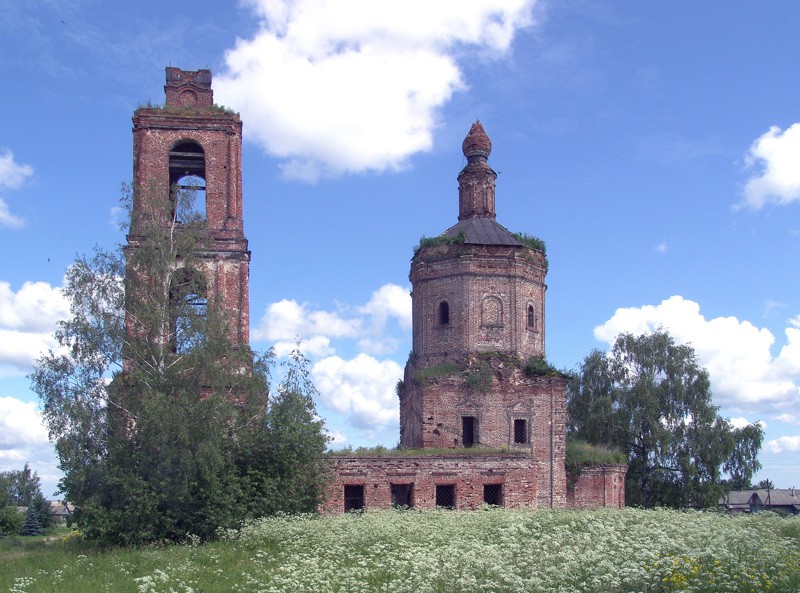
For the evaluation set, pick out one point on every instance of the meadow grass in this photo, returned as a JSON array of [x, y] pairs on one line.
[[493, 550]]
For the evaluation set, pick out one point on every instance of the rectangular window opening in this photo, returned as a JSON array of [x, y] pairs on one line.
[[520, 430], [403, 496], [493, 494], [353, 497], [446, 496], [469, 432]]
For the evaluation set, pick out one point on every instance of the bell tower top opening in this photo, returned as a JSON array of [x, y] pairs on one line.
[[188, 88]]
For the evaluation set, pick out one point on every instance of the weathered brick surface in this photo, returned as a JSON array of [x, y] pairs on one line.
[[156, 131], [469, 474], [488, 289], [599, 486], [432, 410]]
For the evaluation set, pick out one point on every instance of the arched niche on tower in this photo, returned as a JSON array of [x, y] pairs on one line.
[[187, 179], [491, 312]]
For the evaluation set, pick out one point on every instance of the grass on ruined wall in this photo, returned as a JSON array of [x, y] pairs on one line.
[[493, 550], [428, 451]]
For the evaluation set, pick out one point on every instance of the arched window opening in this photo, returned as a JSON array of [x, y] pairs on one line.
[[444, 313], [187, 180], [188, 308], [531, 318]]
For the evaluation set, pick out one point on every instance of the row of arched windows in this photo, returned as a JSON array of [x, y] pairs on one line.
[[491, 313]]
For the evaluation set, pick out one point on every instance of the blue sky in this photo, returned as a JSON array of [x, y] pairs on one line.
[[655, 147]]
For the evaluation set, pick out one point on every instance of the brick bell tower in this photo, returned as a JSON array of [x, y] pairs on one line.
[[478, 312], [191, 144]]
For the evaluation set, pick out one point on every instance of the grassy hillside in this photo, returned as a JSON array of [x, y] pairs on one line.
[[482, 551]]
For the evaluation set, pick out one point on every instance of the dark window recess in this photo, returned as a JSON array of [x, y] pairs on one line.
[[520, 430], [444, 313], [353, 497], [493, 494], [446, 496], [469, 431], [403, 495], [531, 318]]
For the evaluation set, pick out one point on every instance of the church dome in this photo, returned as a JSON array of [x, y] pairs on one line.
[[477, 143]]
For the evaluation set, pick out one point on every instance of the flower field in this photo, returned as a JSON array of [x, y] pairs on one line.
[[494, 550]]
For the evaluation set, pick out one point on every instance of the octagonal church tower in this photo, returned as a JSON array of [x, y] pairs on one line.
[[476, 376]]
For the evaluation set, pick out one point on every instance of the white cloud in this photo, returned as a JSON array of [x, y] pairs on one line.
[[786, 444], [363, 388], [7, 219], [20, 424], [390, 300], [12, 176], [743, 372], [27, 321], [23, 439], [740, 422], [787, 418], [36, 306], [775, 156], [662, 247], [285, 320], [350, 86]]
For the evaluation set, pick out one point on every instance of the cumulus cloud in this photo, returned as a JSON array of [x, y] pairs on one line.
[[23, 439], [286, 320], [12, 176], [744, 373], [776, 178], [785, 444], [362, 388], [356, 85], [28, 318]]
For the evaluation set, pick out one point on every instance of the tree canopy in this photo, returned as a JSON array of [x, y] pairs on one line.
[[650, 398], [164, 428]]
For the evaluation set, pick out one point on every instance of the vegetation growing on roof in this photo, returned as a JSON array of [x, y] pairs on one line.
[[479, 378], [531, 242], [441, 370], [539, 367], [580, 454], [440, 452], [424, 241]]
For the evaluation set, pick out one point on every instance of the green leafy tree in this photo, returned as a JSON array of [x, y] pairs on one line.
[[651, 398], [146, 396], [11, 520], [20, 486]]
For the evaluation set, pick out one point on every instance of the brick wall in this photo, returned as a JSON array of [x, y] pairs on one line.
[[488, 289], [599, 486], [432, 412], [469, 474]]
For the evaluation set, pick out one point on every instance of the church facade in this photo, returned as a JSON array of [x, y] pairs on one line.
[[482, 415]]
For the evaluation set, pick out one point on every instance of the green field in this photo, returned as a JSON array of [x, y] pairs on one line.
[[405, 551]]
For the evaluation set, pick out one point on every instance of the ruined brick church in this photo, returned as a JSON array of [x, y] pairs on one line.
[[482, 416]]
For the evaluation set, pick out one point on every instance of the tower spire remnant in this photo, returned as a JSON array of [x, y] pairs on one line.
[[476, 182]]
